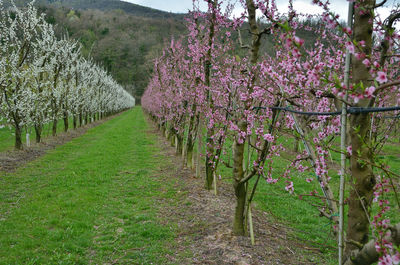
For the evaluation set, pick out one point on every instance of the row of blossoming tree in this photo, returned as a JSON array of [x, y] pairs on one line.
[[253, 102], [44, 79]]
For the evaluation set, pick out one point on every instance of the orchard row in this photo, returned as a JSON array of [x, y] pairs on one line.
[[44, 79], [216, 81]]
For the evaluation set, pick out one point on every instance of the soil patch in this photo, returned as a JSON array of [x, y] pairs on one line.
[[204, 221]]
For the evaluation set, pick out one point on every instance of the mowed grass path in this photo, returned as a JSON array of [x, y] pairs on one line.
[[90, 201]]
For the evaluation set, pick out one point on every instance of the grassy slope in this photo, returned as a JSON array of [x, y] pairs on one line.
[[90, 200]]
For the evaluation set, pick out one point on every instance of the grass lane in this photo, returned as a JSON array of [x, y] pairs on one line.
[[88, 201]]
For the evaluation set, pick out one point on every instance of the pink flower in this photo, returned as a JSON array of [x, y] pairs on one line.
[[268, 137], [359, 55], [366, 62], [350, 47], [349, 150], [357, 98], [347, 30], [381, 77], [396, 258], [369, 91], [298, 41], [271, 180], [289, 187]]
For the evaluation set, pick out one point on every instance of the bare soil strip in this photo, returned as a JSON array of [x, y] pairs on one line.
[[205, 220]]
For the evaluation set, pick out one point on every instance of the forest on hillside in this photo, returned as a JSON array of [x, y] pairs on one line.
[[125, 44], [126, 38], [123, 37]]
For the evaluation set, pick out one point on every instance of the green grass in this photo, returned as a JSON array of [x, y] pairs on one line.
[[303, 218], [7, 136], [91, 200], [306, 226]]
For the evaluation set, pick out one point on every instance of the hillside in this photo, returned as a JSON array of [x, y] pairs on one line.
[[106, 5], [123, 37]]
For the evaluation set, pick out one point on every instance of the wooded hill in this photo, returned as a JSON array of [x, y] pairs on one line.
[[124, 37], [121, 36]]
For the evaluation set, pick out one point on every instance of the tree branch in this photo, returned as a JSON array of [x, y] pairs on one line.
[[394, 83], [241, 41], [380, 4], [367, 254]]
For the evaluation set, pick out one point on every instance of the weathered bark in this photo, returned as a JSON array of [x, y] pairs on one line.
[[199, 146], [66, 122], [38, 132], [240, 189], [189, 152], [162, 127], [188, 156], [363, 179], [18, 137], [54, 130], [368, 254], [209, 160], [238, 146], [171, 136], [80, 120], [179, 144], [210, 131], [74, 121]]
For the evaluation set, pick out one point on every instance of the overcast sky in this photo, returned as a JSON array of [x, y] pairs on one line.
[[304, 6]]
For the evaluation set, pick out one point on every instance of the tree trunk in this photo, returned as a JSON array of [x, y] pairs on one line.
[[209, 160], [240, 189], [163, 128], [238, 146], [66, 122], [38, 132], [74, 121], [179, 144], [18, 137], [189, 153], [207, 71], [80, 120], [363, 179], [171, 136], [190, 143], [199, 147], [55, 127], [368, 254]]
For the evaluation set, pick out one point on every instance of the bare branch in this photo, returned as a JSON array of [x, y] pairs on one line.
[[380, 4]]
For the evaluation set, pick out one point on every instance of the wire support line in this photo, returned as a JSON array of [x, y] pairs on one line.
[[350, 110]]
